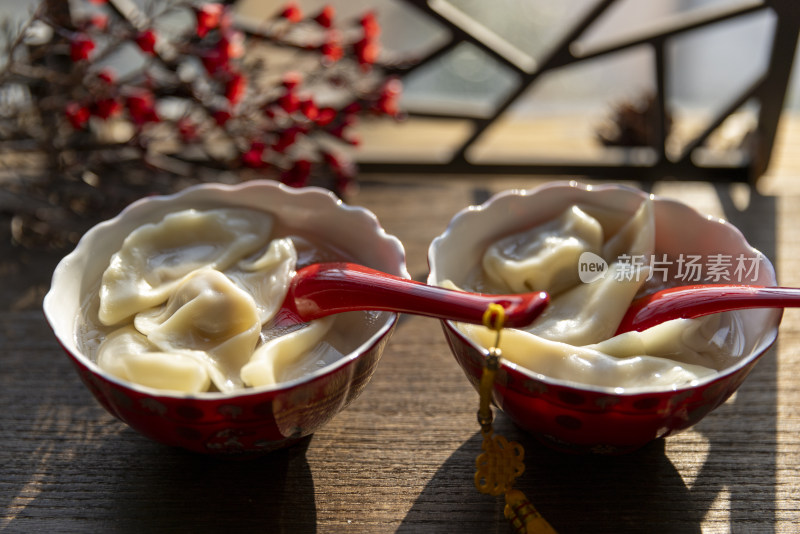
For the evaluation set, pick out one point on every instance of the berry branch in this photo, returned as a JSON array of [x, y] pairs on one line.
[[207, 98]]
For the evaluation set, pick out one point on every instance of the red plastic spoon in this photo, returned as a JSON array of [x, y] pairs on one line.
[[323, 289], [687, 302]]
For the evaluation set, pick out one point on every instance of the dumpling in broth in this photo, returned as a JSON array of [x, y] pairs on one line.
[[271, 360], [155, 257], [267, 278], [127, 354], [585, 364], [210, 314], [544, 258], [590, 313], [574, 338], [189, 303], [636, 239], [709, 341]]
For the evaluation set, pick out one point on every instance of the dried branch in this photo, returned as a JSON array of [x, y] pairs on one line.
[[202, 102]]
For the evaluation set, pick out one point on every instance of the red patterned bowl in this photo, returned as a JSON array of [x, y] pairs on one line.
[[578, 417], [256, 420]]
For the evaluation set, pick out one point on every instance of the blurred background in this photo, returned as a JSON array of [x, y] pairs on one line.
[[664, 89], [567, 114]]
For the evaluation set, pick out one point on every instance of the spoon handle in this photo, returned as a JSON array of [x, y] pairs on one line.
[[687, 302], [327, 288]]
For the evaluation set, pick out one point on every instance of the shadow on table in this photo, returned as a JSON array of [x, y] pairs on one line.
[[639, 492], [168, 490], [130, 484]]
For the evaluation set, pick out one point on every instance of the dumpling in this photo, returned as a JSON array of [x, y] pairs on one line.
[[636, 239], [155, 257], [587, 365], [574, 338], [581, 313], [709, 341], [543, 258], [589, 313], [267, 278], [196, 293], [271, 360], [207, 313], [128, 355]]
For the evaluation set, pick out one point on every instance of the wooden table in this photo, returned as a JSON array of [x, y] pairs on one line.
[[400, 459]]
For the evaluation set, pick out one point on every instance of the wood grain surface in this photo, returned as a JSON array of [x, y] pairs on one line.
[[399, 459]]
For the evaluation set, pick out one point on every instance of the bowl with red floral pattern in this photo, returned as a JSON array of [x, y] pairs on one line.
[[166, 312], [568, 378]]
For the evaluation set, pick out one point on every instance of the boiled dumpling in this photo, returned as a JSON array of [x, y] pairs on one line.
[[189, 302], [589, 313], [587, 365], [207, 313], [267, 277], [574, 338], [155, 257], [709, 341], [271, 360], [543, 258], [636, 240], [584, 313], [128, 355]]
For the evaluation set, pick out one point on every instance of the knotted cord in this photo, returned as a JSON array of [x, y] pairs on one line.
[[501, 461]]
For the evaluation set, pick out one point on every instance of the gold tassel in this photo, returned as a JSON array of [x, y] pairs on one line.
[[524, 518], [501, 461]]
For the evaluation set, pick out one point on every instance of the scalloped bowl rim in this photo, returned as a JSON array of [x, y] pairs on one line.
[[760, 347], [145, 204]]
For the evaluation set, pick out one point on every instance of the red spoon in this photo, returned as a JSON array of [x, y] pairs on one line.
[[687, 302], [323, 289]]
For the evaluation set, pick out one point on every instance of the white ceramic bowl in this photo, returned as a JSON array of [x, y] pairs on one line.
[[582, 417], [255, 420]]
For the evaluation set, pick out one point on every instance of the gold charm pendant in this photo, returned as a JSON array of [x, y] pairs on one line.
[[502, 461]]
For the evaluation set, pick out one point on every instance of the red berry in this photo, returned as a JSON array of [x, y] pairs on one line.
[[141, 107], [77, 115], [289, 102], [254, 156], [209, 17], [325, 17], [221, 116], [298, 175], [147, 41], [370, 26], [291, 12], [367, 51], [106, 107], [332, 51], [107, 75], [325, 116], [235, 88], [81, 47]]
